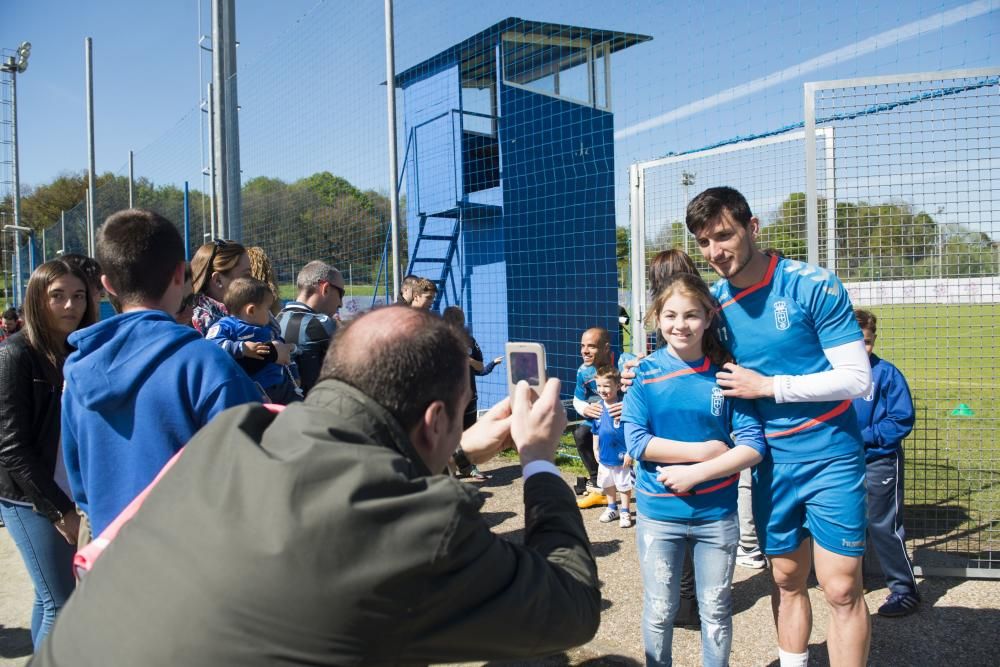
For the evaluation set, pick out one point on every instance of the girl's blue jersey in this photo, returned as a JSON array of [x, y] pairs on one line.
[[677, 400], [780, 326]]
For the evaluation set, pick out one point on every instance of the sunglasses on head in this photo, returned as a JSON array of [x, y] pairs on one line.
[[216, 244]]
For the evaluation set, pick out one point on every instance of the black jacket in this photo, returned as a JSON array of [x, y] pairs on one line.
[[318, 537], [30, 395]]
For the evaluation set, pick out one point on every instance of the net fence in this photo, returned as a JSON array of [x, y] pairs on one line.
[[516, 138], [913, 236]]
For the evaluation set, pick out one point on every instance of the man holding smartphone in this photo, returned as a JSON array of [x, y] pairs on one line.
[[326, 534]]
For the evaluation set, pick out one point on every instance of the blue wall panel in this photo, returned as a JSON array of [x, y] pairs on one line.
[[558, 175]]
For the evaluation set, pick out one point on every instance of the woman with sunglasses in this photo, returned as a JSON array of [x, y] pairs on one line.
[[213, 267], [34, 491]]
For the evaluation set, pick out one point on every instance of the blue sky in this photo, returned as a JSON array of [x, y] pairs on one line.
[[310, 72]]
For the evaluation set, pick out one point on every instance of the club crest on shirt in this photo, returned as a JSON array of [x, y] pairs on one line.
[[781, 320], [717, 400]]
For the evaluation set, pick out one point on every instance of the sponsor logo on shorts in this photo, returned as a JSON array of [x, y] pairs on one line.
[[781, 320], [717, 400], [850, 544]]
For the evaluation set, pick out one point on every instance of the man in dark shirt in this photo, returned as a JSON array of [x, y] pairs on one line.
[[308, 322]]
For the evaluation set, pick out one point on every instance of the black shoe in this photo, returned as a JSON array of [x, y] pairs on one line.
[[687, 615], [581, 486], [899, 604]]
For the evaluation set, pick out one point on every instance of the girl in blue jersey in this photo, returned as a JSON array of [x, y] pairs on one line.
[[675, 413]]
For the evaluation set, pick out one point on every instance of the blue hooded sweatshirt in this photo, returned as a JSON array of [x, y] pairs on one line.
[[886, 415], [137, 388]]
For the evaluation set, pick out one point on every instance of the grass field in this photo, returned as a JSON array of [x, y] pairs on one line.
[[288, 291], [950, 354]]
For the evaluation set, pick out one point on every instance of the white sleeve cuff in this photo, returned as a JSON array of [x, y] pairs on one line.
[[580, 406], [850, 377], [536, 467]]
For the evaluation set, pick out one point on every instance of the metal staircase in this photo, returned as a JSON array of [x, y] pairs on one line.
[[438, 263]]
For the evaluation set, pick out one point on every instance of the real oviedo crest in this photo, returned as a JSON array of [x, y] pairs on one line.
[[781, 321], [717, 399]]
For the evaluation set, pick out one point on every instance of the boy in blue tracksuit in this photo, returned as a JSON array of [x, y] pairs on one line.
[[248, 301], [885, 417]]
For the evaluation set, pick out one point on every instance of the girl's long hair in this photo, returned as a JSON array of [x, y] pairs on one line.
[[693, 287], [223, 257], [38, 325]]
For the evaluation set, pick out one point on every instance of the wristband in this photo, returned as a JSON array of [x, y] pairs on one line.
[[462, 461]]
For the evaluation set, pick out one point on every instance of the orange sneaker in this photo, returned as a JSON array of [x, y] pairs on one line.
[[592, 500]]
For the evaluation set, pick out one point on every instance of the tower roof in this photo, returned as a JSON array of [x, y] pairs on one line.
[[477, 51]]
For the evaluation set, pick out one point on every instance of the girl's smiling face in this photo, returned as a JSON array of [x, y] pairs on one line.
[[683, 321]]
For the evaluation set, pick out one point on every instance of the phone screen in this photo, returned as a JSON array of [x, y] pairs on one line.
[[524, 366]]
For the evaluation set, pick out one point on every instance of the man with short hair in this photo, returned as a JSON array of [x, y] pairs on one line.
[[308, 322], [11, 324], [799, 352], [422, 293], [406, 288], [327, 535], [138, 385]]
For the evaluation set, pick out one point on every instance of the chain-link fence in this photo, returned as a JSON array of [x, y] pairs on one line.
[[913, 234], [892, 185], [516, 141]]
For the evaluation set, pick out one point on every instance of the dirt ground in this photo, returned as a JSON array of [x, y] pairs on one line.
[[958, 624]]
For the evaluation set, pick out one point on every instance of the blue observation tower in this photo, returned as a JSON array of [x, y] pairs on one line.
[[509, 167]]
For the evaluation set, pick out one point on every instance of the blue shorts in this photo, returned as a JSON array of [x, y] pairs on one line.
[[825, 499]]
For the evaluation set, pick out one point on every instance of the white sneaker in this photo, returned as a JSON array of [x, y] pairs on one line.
[[750, 558], [609, 515], [625, 521]]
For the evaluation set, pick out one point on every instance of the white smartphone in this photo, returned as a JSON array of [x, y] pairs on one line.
[[525, 361]]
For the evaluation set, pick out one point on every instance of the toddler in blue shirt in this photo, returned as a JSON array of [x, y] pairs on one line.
[[614, 469], [248, 301]]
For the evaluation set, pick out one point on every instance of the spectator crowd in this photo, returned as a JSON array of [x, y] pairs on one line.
[[215, 477]]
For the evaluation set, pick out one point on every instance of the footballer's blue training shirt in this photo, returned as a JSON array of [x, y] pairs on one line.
[[586, 380], [610, 439], [233, 328], [677, 400], [885, 416], [780, 326]]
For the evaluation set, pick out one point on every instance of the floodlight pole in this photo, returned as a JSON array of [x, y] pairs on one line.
[[13, 67], [390, 88], [17, 258], [687, 180], [131, 180], [91, 170], [226, 154]]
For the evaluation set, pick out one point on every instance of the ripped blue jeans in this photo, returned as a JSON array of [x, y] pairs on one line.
[[661, 555]]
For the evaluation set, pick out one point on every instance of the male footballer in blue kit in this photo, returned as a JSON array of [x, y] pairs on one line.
[[799, 352]]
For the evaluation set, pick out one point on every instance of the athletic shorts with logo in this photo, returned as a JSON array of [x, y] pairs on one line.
[[823, 499]]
